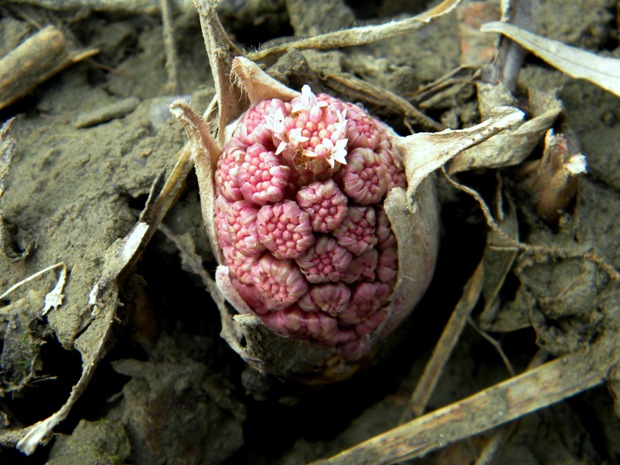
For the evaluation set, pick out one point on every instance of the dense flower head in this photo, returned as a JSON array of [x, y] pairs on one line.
[[299, 218]]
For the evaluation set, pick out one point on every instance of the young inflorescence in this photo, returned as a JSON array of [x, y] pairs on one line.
[[299, 218]]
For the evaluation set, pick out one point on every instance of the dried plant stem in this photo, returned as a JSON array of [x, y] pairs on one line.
[[29, 438], [30, 278], [360, 35], [536, 251], [172, 86], [499, 404], [499, 437], [381, 97], [34, 61], [129, 6], [445, 345]]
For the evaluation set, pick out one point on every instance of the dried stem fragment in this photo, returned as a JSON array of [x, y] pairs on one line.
[[360, 35], [497, 405], [106, 113], [172, 86], [35, 61], [579, 64], [381, 97], [148, 7], [445, 345]]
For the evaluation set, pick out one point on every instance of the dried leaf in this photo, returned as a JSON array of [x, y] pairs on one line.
[[602, 71], [494, 406], [426, 152], [510, 147], [506, 149], [360, 35]]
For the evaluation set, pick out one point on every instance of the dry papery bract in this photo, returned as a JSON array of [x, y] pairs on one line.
[[412, 213]]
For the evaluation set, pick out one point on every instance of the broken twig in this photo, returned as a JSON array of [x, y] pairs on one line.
[[34, 61], [497, 405]]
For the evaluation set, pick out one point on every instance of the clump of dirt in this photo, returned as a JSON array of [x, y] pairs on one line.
[[169, 389]]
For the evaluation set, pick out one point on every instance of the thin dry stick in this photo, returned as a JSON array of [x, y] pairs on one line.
[[382, 97], [34, 61], [499, 404], [445, 345], [127, 6], [496, 345], [514, 244], [499, 437], [7, 151], [359, 35], [172, 86], [30, 278]]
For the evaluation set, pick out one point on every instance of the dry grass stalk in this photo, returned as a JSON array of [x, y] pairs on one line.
[[446, 344], [359, 35], [35, 61], [497, 405]]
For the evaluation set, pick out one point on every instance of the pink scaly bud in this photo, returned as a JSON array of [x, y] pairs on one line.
[[393, 164], [383, 229], [284, 229], [310, 326], [331, 298], [357, 232], [365, 178], [278, 282], [366, 299], [325, 261], [360, 223], [362, 130], [313, 137], [325, 203], [299, 217], [227, 171], [362, 267], [238, 227], [262, 176], [386, 268], [255, 129]]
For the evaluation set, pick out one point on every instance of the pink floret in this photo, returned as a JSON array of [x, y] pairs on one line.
[[237, 227], [362, 130], [313, 326], [387, 269], [385, 235], [313, 137], [362, 267], [262, 176], [255, 127], [325, 261], [331, 298], [325, 203], [357, 233], [240, 266], [279, 282], [392, 160], [284, 229], [371, 323], [366, 299], [365, 177], [227, 171]]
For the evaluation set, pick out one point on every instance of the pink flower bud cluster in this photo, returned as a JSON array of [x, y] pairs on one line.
[[299, 218]]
